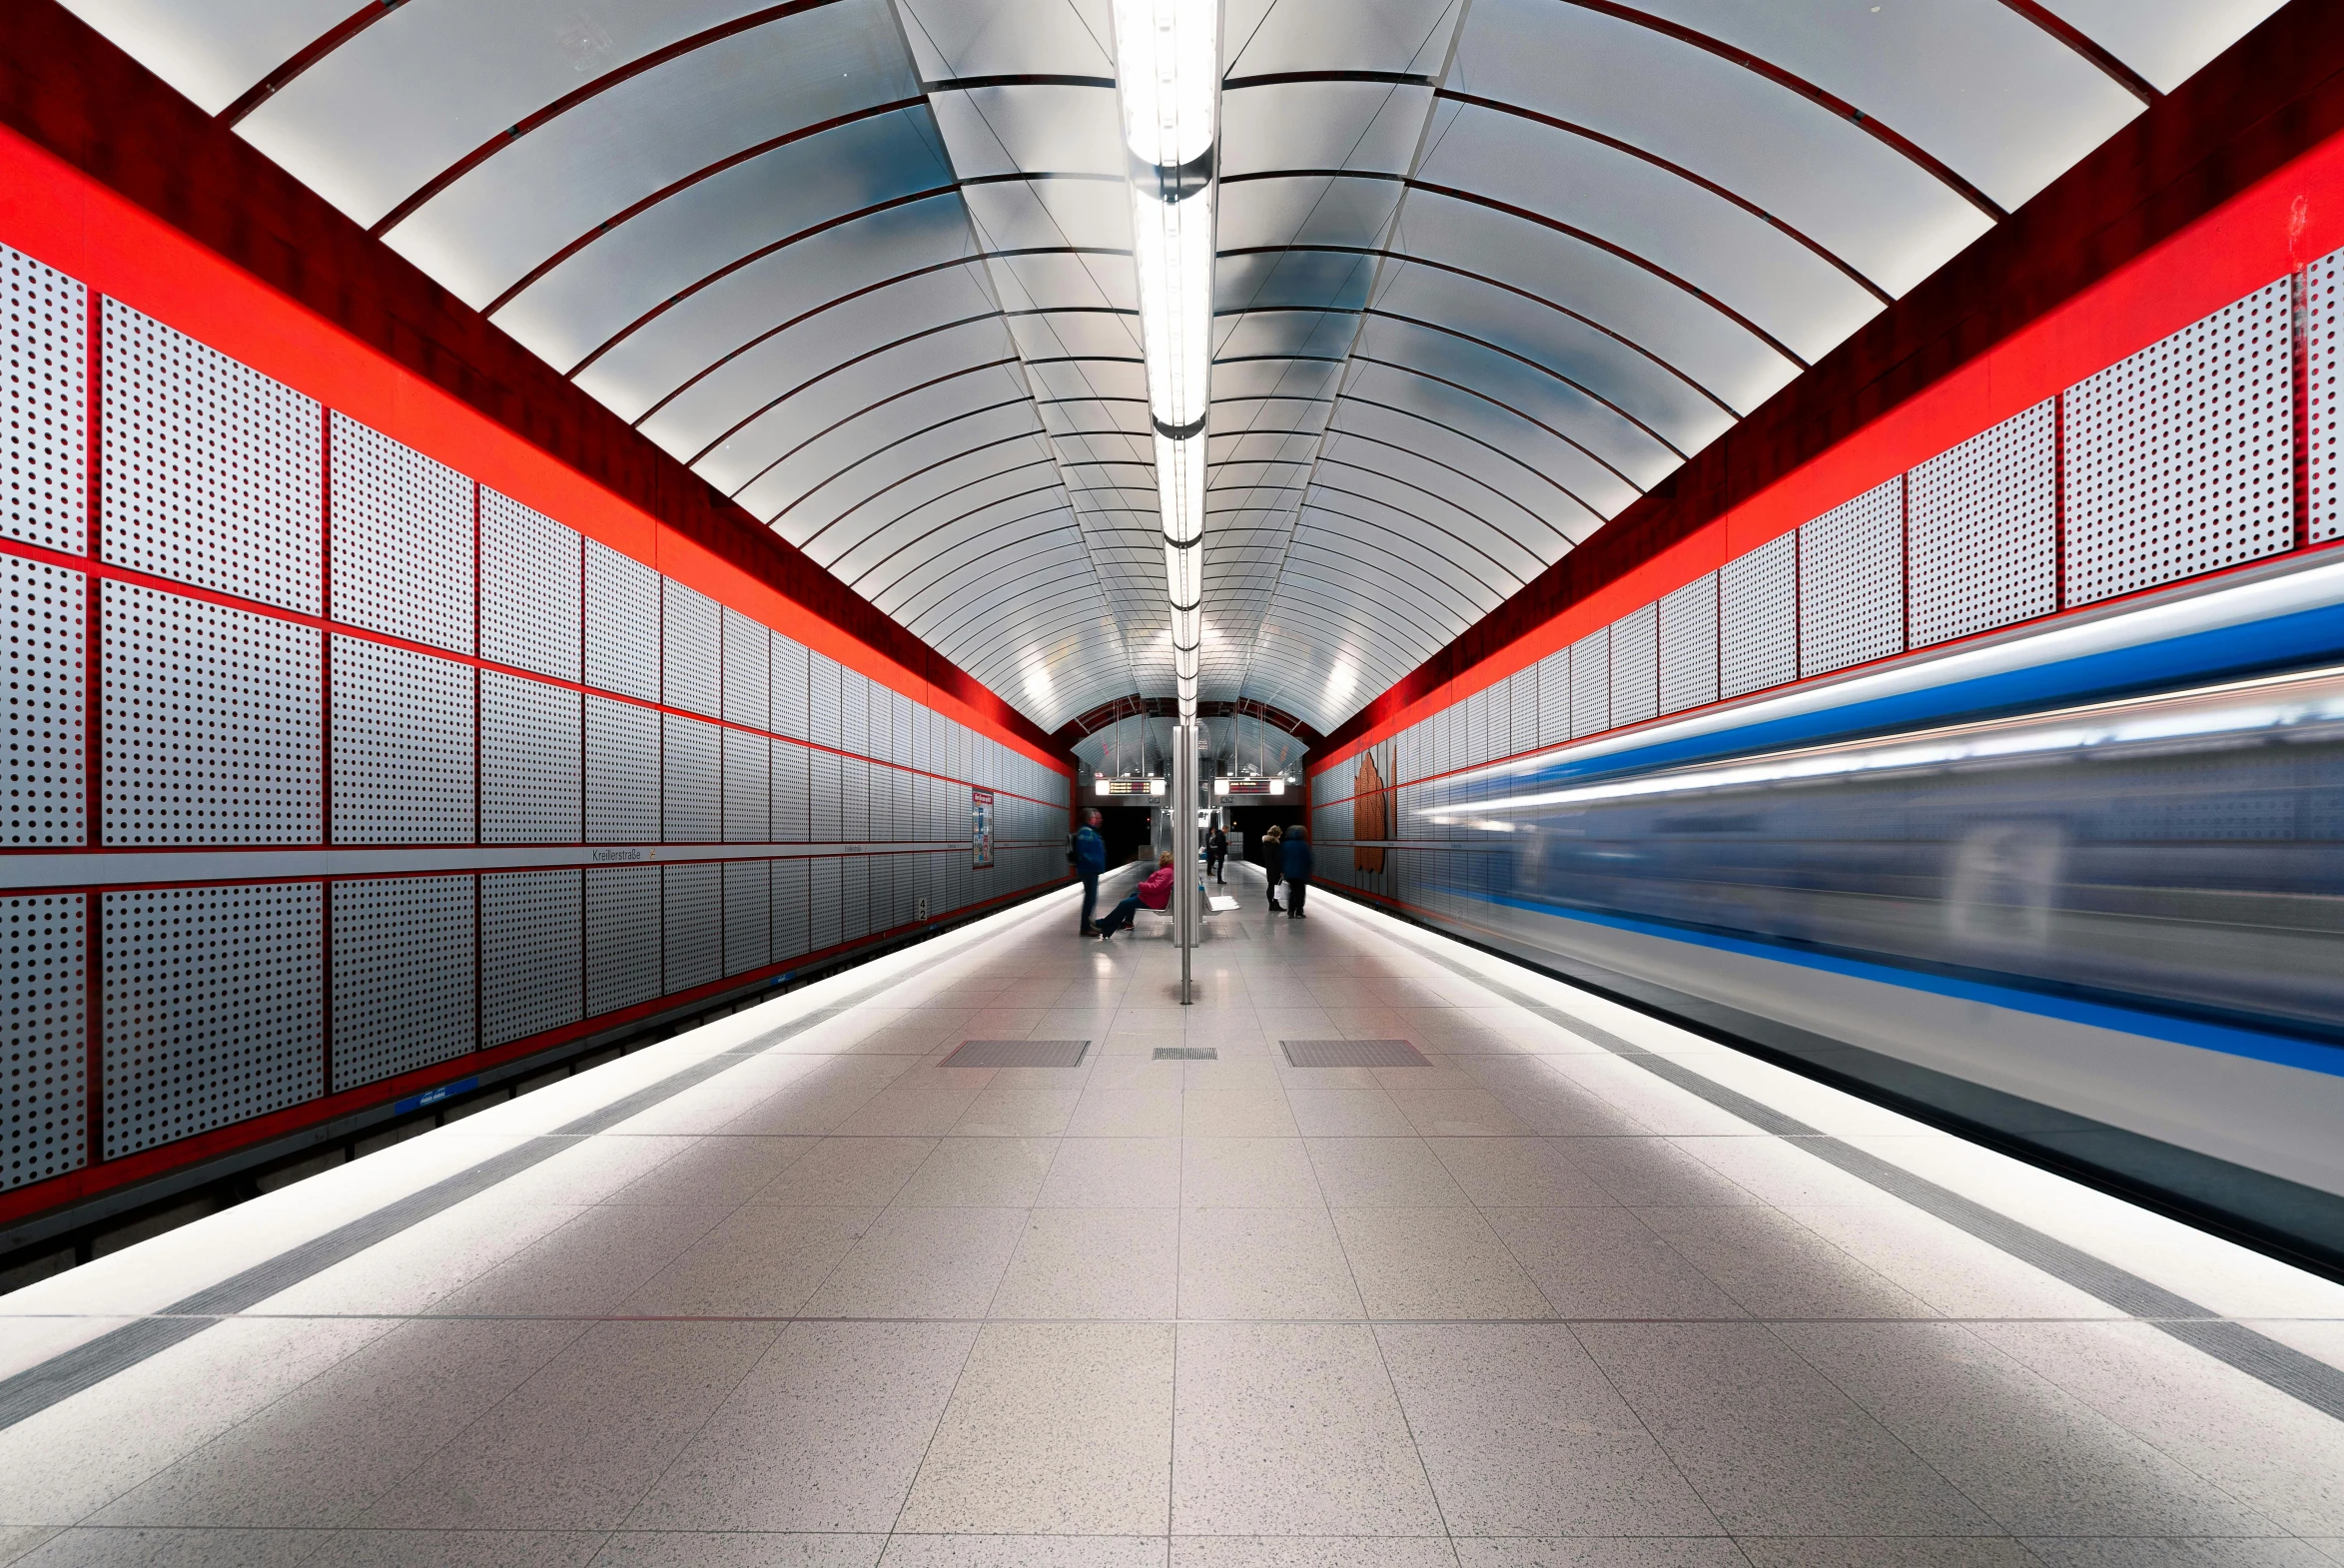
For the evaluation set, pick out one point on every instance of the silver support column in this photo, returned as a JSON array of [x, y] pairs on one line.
[[1186, 914]]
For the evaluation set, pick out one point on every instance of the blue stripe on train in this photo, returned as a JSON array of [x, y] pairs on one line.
[[2281, 1049]]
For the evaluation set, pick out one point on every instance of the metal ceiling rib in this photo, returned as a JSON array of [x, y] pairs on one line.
[[1489, 270]]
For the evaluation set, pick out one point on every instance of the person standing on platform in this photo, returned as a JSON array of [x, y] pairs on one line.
[[1273, 863], [1295, 856], [1089, 853], [1217, 852]]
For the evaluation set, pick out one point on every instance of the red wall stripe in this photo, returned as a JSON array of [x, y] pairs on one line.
[[59, 215], [2266, 231]]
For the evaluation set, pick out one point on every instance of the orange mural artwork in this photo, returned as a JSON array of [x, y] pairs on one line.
[[1370, 809]]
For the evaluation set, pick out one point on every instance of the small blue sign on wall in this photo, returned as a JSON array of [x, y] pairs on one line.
[[432, 1096]]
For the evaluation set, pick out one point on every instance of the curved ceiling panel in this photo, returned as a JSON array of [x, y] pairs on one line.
[[652, 135], [1485, 275], [393, 106]]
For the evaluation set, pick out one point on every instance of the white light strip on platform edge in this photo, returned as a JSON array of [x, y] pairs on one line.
[[1168, 69]]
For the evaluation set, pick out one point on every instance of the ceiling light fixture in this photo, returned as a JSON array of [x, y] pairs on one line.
[[1168, 67]]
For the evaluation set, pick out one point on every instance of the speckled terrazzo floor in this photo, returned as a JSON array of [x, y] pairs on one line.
[[838, 1304]]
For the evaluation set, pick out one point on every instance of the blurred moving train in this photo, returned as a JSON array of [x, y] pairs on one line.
[[2112, 931]]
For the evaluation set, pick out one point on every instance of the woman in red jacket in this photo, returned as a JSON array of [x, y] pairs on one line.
[[1156, 893]]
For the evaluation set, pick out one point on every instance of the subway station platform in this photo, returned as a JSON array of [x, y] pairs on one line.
[[1580, 1289]]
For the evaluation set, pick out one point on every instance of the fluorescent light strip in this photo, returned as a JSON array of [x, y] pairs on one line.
[[1168, 69]]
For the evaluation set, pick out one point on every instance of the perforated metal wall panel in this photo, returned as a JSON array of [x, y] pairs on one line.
[[748, 671], [854, 898], [1591, 683], [790, 789], [531, 589], [1689, 645], [211, 470], [402, 746], [822, 720], [44, 397], [824, 902], [212, 723], [907, 737], [748, 915], [879, 731], [854, 799], [1851, 581], [880, 870], [2180, 459], [792, 913], [623, 623], [690, 630], [1983, 530], [622, 772], [693, 800], [1475, 710], [748, 805], [692, 925], [532, 945], [622, 962], [403, 539], [1758, 626], [44, 1037], [43, 707], [214, 1007], [2323, 283], [1554, 698], [1522, 693], [789, 688], [1636, 666], [823, 797], [531, 761], [881, 824], [403, 987], [854, 712]]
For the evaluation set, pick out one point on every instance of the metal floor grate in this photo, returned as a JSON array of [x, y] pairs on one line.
[[1019, 1053], [1187, 1053], [1352, 1053]]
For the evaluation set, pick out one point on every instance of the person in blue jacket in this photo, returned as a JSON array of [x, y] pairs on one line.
[[1294, 859], [1088, 854]]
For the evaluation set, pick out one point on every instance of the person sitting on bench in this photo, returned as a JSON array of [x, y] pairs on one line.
[[1156, 893]]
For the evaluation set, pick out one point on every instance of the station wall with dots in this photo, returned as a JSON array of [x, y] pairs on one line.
[[387, 771]]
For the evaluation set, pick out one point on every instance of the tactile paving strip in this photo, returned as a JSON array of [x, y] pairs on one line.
[[1352, 1053], [1019, 1053]]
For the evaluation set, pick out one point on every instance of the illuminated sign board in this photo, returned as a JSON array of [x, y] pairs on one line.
[[1248, 786], [1130, 786]]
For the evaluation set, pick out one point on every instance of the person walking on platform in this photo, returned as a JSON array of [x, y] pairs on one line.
[[1295, 856], [1217, 852], [1156, 893], [1273, 863], [1088, 851]]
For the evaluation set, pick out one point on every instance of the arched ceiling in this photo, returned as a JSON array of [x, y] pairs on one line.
[[1489, 270]]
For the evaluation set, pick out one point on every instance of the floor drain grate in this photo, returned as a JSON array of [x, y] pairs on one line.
[[1019, 1053], [1352, 1053], [1187, 1053]]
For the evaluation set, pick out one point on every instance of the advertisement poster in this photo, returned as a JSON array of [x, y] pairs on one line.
[[981, 828]]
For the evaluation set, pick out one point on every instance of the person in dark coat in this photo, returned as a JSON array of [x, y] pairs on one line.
[[1295, 860], [1272, 863], [1088, 851], [1217, 852]]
